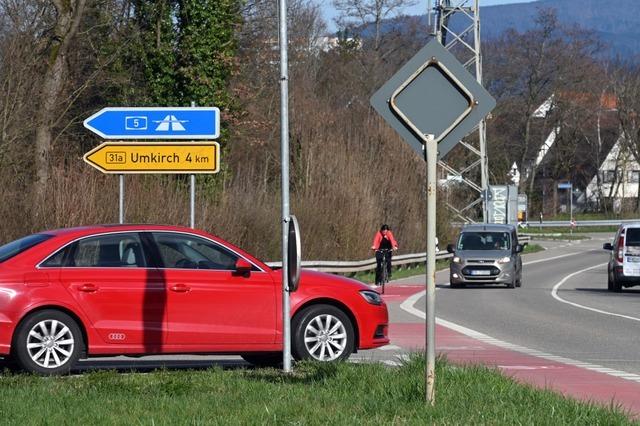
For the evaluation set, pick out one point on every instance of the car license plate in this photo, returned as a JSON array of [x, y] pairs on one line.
[[480, 272]]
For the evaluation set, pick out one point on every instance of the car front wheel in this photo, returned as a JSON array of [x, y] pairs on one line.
[[47, 342], [322, 333]]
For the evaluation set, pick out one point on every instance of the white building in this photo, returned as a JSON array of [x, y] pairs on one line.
[[619, 176]]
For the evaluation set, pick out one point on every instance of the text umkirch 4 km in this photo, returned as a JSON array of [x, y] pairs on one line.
[[122, 157]]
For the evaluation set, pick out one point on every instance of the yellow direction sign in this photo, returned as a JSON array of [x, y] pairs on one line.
[[155, 157]]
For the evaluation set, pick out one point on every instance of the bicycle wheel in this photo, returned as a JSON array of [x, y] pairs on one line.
[[384, 275]]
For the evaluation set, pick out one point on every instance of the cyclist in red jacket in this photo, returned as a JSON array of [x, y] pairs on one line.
[[383, 244]]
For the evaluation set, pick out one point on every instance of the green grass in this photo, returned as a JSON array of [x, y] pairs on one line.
[[532, 248], [315, 394], [533, 229]]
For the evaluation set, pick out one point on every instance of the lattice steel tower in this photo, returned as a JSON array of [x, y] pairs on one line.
[[463, 41]]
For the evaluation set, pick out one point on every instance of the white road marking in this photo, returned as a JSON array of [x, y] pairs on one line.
[[551, 258], [554, 293], [408, 306], [389, 348]]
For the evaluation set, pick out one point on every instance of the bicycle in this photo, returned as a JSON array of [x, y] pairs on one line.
[[384, 272]]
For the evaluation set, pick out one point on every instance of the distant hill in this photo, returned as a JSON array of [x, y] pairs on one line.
[[617, 23]]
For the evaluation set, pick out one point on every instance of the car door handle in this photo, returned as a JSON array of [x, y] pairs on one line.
[[180, 288], [88, 288]]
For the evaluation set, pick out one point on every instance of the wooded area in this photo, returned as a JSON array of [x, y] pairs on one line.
[[61, 61]]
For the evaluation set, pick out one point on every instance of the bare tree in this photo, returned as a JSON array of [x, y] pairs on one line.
[[365, 12], [67, 17], [627, 90]]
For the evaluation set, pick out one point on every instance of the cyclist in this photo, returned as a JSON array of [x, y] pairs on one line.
[[383, 244]]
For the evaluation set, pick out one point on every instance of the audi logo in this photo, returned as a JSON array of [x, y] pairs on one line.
[[117, 336]]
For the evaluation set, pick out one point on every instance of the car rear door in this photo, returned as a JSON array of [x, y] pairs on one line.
[[124, 299], [631, 253], [209, 304]]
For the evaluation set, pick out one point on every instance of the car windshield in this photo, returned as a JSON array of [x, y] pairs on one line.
[[484, 241], [16, 247]]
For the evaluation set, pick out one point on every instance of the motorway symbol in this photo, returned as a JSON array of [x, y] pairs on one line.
[[155, 123], [155, 157], [433, 94]]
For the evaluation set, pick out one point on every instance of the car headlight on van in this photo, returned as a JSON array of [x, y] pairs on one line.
[[505, 259], [456, 259], [371, 296]]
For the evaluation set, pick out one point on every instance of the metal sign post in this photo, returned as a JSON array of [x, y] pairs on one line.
[[432, 102], [284, 157], [121, 199], [192, 193], [431, 155]]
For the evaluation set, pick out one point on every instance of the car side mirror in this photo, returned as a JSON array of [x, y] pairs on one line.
[[243, 267], [607, 246], [451, 248], [519, 248]]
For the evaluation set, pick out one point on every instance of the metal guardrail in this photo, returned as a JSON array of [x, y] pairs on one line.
[[347, 267], [567, 224]]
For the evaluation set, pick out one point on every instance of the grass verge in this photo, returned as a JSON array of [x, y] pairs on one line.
[[533, 229], [315, 394]]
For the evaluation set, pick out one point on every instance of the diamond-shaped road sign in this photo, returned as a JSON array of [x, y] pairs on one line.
[[433, 94]]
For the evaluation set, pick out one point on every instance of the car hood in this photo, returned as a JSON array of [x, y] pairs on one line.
[[309, 278], [483, 254]]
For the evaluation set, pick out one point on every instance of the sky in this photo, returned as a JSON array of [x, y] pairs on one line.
[[419, 9]]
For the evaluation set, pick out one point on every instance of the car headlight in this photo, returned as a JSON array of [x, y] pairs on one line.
[[456, 259], [505, 259], [371, 296]]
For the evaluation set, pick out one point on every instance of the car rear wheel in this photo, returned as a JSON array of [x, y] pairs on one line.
[[47, 342], [616, 286], [322, 333]]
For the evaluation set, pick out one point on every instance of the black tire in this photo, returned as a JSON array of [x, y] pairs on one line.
[[452, 285], [264, 359], [311, 323], [616, 286], [519, 282], [609, 281], [49, 354], [512, 284]]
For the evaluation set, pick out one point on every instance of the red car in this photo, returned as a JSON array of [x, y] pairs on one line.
[[147, 289]]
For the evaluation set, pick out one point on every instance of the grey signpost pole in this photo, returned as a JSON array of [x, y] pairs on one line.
[[121, 199], [431, 154], [192, 198], [284, 156]]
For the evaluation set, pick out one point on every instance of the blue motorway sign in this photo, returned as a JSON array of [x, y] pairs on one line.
[[155, 123], [564, 185]]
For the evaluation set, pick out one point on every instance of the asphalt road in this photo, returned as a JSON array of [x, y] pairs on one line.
[[580, 320]]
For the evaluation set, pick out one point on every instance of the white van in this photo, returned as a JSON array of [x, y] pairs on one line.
[[623, 269]]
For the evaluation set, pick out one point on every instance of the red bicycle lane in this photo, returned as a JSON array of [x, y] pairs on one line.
[[570, 380]]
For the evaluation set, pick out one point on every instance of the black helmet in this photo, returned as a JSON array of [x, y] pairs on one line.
[[384, 227]]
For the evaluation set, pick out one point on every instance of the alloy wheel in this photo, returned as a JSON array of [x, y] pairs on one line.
[[325, 337], [50, 343]]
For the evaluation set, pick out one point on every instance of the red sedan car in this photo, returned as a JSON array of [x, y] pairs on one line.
[[127, 289]]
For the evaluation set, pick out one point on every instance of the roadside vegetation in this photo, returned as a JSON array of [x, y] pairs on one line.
[[342, 394]]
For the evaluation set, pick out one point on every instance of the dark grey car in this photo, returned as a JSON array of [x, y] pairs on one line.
[[486, 254]]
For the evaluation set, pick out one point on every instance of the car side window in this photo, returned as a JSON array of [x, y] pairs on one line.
[[183, 251], [122, 250]]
